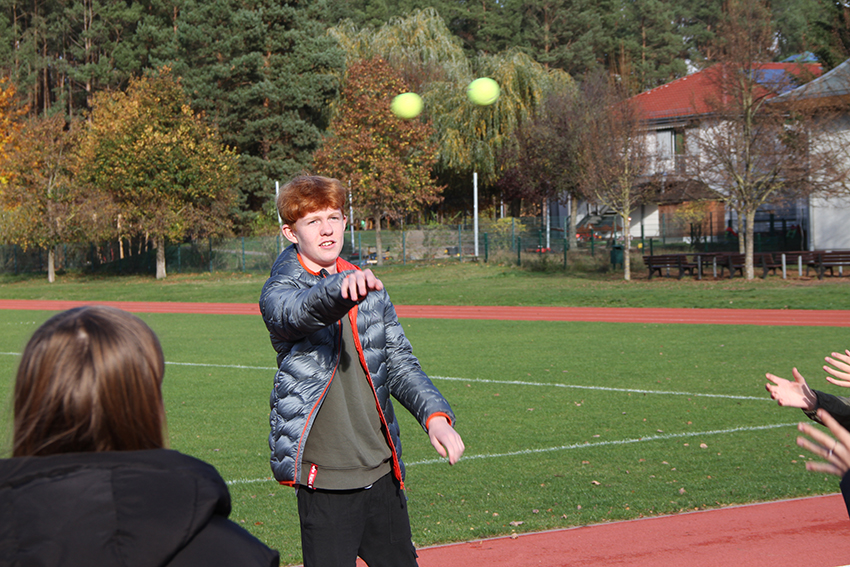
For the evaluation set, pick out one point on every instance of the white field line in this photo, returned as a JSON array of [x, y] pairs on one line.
[[486, 381], [236, 366], [512, 383], [586, 445], [535, 384], [602, 388]]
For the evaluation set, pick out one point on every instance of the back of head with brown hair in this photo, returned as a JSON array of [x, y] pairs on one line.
[[307, 194], [89, 380]]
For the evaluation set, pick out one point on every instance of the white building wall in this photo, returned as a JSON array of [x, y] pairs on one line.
[[648, 215], [829, 217], [830, 223]]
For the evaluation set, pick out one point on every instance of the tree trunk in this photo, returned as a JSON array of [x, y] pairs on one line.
[[160, 257], [378, 242], [51, 264], [573, 222], [748, 258], [742, 237], [627, 238], [120, 240]]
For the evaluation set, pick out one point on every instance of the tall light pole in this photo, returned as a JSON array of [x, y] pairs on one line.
[[279, 220], [475, 210], [351, 216]]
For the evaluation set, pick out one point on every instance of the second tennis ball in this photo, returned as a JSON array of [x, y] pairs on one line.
[[483, 91]]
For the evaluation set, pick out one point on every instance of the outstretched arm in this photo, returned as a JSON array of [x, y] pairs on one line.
[[796, 394], [841, 372], [445, 439]]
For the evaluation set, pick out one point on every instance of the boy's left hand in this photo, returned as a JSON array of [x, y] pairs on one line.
[[445, 439]]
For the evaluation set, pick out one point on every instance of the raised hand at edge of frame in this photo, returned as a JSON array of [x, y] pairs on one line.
[[836, 452], [841, 372], [796, 394]]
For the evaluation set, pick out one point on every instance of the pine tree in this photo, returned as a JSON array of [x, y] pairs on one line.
[[164, 166], [264, 72], [59, 52]]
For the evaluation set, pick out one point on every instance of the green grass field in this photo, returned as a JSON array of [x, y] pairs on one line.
[[565, 423]]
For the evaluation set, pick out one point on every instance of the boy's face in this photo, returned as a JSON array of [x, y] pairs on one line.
[[319, 236]]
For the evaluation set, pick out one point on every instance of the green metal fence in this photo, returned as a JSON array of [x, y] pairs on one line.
[[256, 254], [514, 240]]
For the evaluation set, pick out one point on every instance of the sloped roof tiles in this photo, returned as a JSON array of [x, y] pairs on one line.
[[692, 95]]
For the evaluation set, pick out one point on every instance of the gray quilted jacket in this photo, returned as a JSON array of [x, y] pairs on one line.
[[302, 311]]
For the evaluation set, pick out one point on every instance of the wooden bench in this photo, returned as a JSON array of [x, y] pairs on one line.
[[732, 262], [736, 262], [828, 260], [768, 262], [667, 262]]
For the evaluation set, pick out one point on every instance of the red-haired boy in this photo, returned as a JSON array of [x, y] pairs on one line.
[[341, 354]]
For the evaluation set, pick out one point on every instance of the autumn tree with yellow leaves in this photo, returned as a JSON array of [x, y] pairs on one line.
[[43, 205], [163, 165], [10, 122], [40, 204]]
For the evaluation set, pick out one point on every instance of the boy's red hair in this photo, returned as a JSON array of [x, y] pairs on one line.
[[307, 194]]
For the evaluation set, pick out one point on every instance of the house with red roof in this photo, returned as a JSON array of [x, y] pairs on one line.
[[675, 115]]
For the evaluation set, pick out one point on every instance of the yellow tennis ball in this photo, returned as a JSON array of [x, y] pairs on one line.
[[407, 105], [483, 91]]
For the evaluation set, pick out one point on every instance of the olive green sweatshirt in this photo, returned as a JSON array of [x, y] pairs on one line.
[[346, 447]]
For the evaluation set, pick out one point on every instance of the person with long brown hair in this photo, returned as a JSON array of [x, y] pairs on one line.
[[90, 481]]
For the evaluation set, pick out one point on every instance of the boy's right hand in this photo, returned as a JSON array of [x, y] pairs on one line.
[[357, 284]]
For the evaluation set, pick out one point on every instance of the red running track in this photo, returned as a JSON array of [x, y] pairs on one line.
[[664, 315], [806, 532], [809, 532]]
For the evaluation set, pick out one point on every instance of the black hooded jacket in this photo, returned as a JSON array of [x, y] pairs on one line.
[[120, 508]]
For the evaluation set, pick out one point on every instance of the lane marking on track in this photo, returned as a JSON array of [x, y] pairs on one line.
[[586, 445]]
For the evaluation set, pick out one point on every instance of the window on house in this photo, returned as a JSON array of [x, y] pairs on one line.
[[664, 140], [679, 151]]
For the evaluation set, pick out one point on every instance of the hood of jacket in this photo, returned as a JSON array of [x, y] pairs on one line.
[[113, 508]]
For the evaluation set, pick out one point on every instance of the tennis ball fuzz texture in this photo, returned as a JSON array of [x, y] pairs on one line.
[[407, 105], [483, 91]]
